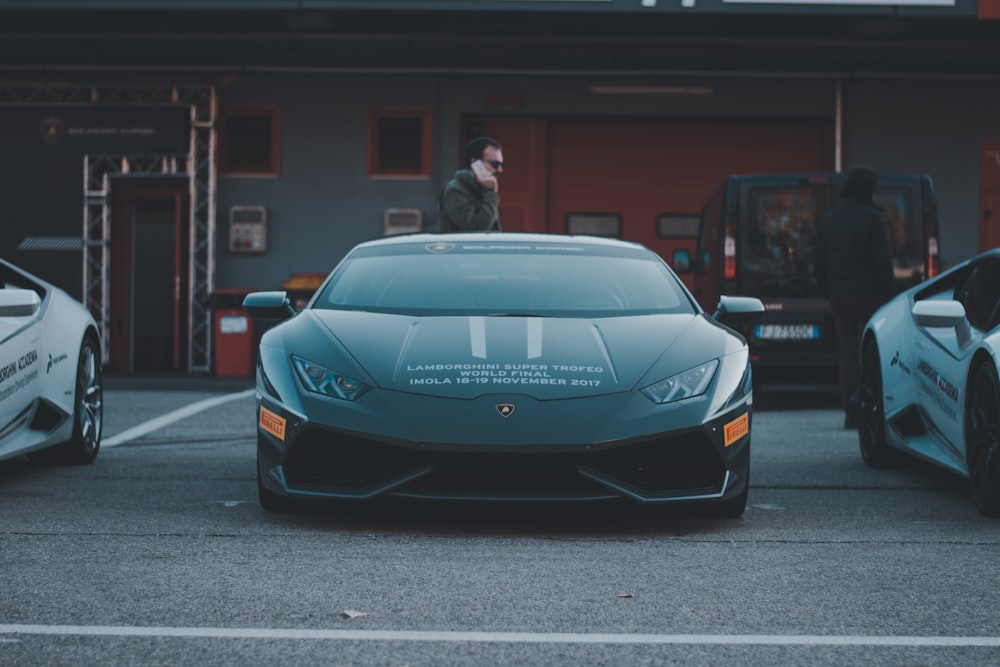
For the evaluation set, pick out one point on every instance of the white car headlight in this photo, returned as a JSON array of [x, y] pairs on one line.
[[324, 381], [692, 382]]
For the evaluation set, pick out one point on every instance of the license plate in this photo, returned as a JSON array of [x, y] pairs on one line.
[[787, 331]]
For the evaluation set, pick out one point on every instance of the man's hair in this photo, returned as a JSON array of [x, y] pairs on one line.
[[475, 147], [859, 184]]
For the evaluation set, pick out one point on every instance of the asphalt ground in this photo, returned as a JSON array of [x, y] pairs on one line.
[[160, 554]]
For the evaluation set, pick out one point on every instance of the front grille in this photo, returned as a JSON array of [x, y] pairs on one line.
[[326, 458], [669, 464], [323, 459], [507, 480]]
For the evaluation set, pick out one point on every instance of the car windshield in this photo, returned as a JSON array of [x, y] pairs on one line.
[[530, 279]]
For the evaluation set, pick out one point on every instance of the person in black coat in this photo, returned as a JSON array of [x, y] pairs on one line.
[[853, 264]]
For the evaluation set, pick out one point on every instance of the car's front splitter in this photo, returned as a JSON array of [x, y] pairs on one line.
[[703, 464]]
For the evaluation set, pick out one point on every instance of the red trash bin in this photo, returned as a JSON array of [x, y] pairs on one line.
[[235, 356]]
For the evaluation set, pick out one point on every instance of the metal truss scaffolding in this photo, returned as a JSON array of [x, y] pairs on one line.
[[198, 166]]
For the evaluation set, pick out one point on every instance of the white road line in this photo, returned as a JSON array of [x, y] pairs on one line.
[[171, 417], [497, 637]]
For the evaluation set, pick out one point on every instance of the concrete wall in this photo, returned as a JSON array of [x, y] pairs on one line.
[[323, 202], [41, 178], [932, 126]]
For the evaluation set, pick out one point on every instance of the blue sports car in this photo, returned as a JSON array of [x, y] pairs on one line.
[[500, 367]]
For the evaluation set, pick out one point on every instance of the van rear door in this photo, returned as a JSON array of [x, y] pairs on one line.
[[756, 240], [908, 203], [774, 246]]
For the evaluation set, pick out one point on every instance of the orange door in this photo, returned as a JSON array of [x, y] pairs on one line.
[[654, 173], [652, 176], [149, 275], [181, 282], [522, 184], [989, 196]]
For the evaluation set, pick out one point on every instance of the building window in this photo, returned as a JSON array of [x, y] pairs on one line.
[[677, 225], [399, 143], [250, 141], [595, 224]]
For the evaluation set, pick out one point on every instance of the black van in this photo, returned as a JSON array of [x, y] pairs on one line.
[[755, 239]]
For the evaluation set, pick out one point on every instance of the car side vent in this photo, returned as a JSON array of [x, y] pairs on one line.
[[910, 424], [47, 418]]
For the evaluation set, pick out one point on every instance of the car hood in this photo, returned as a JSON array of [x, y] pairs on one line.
[[465, 357]]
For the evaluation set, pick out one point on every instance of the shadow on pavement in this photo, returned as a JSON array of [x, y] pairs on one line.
[[174, 382], [613, 520], [789, 396]]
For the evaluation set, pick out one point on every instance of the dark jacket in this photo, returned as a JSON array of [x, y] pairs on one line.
[[466, 206], [853, 255]]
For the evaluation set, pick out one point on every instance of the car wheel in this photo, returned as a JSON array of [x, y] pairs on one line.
[[875, 449], [269, 500], [982, 437], [88, 413]]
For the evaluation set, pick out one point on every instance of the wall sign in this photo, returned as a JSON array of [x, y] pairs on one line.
[[117, 130]]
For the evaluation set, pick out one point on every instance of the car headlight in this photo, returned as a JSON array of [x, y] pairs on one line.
[[692, 382], [324, 381]]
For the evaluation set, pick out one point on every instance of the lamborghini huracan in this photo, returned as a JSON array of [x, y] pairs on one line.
[[929, 384], [51, 396], [503, 367]]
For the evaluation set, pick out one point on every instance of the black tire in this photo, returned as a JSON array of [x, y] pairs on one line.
[[270, 501], [982, 438], [875, 449], [88, 412]]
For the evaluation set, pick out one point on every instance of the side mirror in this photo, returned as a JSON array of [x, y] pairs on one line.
[[738, 309], [682, 261], [268, 305], [18, 302], [943, 314]]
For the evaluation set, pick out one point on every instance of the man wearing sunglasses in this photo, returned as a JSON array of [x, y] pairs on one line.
[[469, 201]]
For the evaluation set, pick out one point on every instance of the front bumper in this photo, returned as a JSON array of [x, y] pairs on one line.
[[688, 465]]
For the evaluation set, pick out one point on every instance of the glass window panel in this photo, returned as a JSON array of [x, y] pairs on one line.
[[595, 224], [677, 226]]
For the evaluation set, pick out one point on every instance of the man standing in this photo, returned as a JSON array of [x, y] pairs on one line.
[[469, 201], [853, 261]]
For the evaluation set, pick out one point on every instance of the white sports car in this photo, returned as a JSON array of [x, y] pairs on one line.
[[50, 372], [929, 377]]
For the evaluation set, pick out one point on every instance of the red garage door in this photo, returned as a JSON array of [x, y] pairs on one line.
[[652, 177]]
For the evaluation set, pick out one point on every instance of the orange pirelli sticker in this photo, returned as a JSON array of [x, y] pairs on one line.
[[272, 423], [736, 429]]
